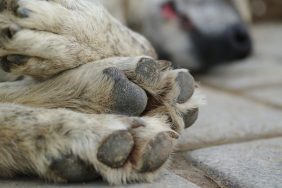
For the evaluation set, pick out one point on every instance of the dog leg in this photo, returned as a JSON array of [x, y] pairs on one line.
[[33, 28], [76, 147]]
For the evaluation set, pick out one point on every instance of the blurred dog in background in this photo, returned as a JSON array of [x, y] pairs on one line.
[[193, 34]]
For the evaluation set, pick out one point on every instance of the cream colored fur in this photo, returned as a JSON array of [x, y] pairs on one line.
[[29, 136], [63, 109]]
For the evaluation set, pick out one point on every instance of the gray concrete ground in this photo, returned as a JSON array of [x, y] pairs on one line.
[[237, 141]]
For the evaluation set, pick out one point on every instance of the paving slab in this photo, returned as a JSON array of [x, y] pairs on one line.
[[268, 39], [229, 118], [258, 78], [251, 73], [184, 168], [270, 94], [256, 164], [167, 180]]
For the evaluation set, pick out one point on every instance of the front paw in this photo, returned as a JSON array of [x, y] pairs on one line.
[[170, 92]]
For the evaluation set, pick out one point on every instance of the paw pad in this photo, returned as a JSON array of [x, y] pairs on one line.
[[10, 31], [147, 70], [157, 152], [186, 85], [72, 169], [115, 150], [3, 5], [23, 12], [190, 117], [8, 62], [129, 99]]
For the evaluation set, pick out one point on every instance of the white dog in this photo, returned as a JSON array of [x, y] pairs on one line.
[[97, 102], [193, 34]]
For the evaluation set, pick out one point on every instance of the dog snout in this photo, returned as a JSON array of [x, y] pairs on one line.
[[238, 42], [231, 44]]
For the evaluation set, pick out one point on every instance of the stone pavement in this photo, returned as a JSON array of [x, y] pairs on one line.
[[237, 141], [167, 180]]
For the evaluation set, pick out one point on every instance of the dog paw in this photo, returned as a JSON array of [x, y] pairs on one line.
[[58, 35], [170, 92], [124, 150]]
